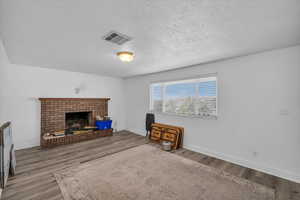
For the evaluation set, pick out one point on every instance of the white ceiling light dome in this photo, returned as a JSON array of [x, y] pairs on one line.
[[125, 56]]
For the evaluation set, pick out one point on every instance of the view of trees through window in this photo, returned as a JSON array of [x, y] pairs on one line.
[[193, 97]]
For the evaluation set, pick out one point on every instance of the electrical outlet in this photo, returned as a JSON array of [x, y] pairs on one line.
[[284, 112]]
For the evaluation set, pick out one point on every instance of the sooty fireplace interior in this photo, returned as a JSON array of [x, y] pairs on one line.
[[78, 120]]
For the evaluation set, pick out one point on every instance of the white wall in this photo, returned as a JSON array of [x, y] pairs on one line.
[[4, 62], [22, 86], [259, 111]]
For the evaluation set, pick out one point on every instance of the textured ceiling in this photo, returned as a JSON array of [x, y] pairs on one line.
[[167, 34]]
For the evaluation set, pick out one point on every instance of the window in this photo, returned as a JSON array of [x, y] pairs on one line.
[[192, 97]]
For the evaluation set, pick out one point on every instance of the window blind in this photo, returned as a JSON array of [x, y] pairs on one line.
[[191, 97]]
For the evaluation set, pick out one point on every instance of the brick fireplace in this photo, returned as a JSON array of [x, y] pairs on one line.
[[58, 114]]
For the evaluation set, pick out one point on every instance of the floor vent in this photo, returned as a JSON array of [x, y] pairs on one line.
[[117, 38]]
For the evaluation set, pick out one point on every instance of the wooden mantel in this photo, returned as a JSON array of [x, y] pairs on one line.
[[72, 99]]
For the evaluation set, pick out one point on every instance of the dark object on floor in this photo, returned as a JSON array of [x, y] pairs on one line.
[[7, 154], [164, 132], [150, 119]]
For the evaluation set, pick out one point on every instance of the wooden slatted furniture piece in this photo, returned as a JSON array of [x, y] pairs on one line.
[[164, 132]]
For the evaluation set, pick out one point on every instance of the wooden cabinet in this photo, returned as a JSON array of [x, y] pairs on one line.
[[164, 132]]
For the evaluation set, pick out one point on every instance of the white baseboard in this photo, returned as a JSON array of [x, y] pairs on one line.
[[246, 163], [139, 132]]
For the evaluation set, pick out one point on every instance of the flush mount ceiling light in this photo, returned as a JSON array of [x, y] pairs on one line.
[[125, 56]]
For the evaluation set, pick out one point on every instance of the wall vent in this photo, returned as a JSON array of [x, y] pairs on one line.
[[117, 38]]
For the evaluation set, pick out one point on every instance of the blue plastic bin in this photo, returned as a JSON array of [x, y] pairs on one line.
[[103, 124]]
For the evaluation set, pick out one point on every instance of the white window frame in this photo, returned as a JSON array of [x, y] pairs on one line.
[[186, 80]]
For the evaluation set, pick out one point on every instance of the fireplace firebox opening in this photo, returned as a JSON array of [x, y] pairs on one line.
[[77, 120]]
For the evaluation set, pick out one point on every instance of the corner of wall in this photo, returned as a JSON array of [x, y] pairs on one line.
[[3, 55], [4, 61]]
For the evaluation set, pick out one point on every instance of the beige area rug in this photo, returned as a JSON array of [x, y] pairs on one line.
[[148, 173]]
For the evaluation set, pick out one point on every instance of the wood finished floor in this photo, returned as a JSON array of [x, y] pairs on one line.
[[34, 179]]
